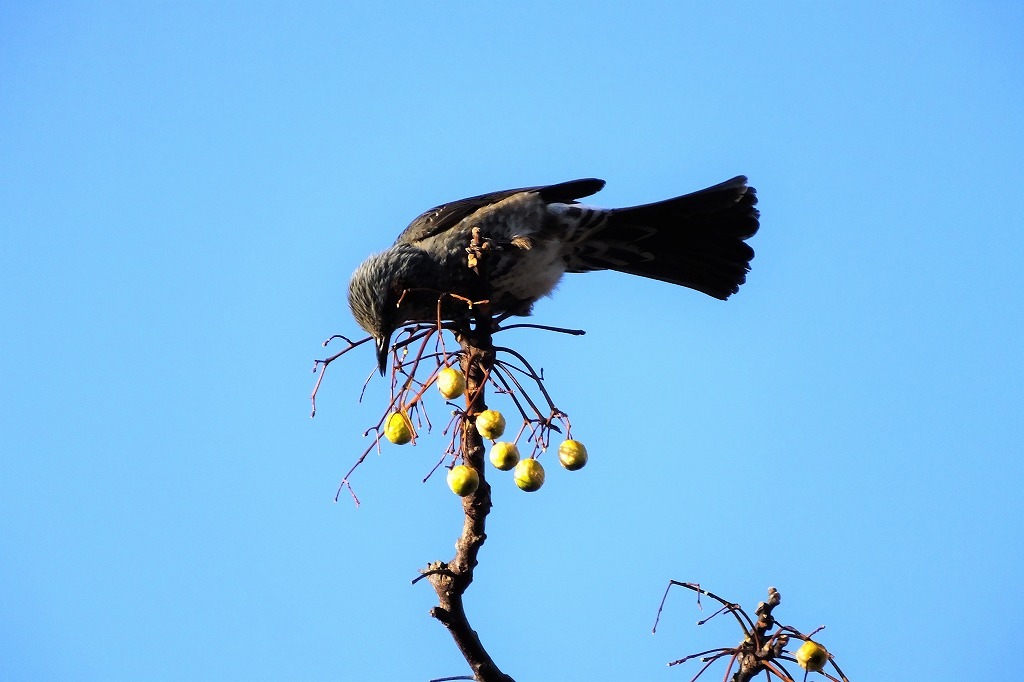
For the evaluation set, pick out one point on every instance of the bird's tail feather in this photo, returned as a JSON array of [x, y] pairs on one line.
[[696, 240]]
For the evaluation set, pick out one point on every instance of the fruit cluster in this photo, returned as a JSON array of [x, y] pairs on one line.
[[464, 480], [528, 473]]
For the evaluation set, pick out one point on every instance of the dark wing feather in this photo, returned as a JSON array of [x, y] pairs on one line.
[[447, 216]]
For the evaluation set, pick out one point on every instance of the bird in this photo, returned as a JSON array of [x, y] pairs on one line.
[[531, 236]]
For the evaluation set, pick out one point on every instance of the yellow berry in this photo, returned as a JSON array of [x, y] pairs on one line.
[[529, 475], [490, 424], [463, 480], [398, 429], [451, 382], [504, 456], [811, 656], [572, 454]]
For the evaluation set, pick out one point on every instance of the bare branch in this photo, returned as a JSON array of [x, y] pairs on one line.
[[762, 648], [323, 365], [450, 580], [732, 608]]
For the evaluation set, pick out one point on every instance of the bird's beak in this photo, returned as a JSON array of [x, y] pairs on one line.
[[383, 346]]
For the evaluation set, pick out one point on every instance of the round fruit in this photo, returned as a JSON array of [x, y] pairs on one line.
[[572, 454], [529, 475], [398, 429], [811, 656], [490, 424], [463, 480], [504, 456], [451, 382]]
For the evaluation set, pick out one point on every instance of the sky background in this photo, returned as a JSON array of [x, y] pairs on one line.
[[186, 187]]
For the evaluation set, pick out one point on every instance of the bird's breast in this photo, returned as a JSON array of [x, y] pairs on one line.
[[527, 274]]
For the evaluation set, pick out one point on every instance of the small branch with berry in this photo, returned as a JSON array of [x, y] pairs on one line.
[[420, 360], [763, 648]]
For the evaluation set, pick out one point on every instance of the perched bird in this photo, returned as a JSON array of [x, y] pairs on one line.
[[530, 237]]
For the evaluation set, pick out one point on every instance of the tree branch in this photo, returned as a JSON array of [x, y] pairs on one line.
[[761, 650], [451, 580]]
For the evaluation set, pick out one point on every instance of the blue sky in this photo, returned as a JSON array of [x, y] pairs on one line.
[[186, 188]]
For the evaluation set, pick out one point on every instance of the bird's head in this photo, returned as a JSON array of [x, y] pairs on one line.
[[377, 288]]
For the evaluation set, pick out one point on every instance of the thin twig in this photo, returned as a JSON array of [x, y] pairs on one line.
[[323, 365], [536, 377], [527, 325]]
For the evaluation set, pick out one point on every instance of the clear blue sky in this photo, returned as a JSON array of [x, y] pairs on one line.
[[186, 187]]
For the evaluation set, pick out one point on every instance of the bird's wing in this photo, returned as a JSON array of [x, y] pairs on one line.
[[447, 216]]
